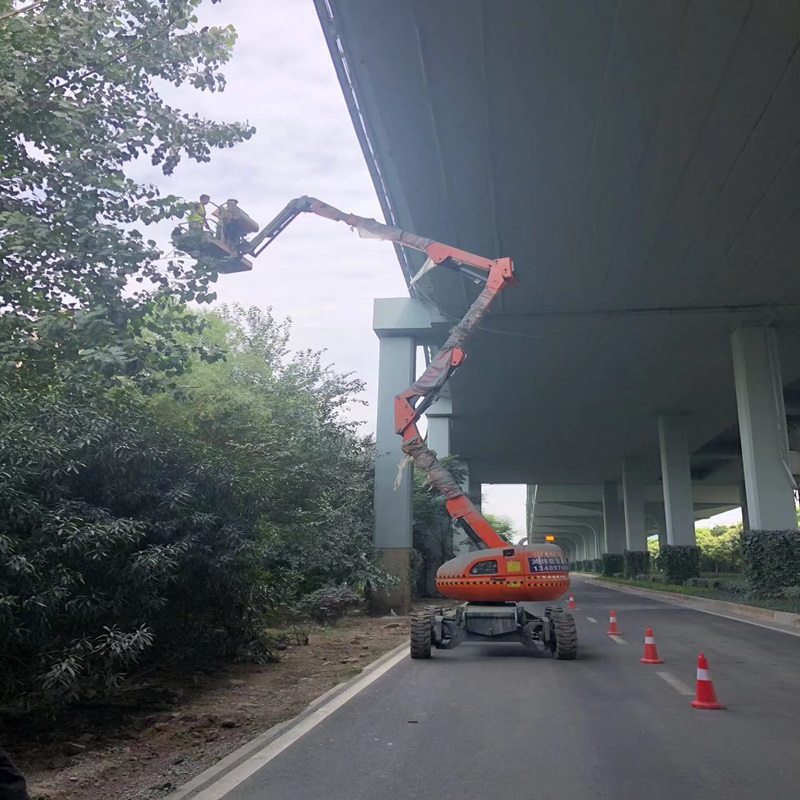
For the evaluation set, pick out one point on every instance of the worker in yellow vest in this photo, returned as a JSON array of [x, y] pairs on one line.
[[197, 216]]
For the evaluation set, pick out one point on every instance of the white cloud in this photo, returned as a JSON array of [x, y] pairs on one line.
[[506, 500], [281, 79]]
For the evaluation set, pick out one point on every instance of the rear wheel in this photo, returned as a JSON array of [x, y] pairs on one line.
[[566, 637], [421, 630]]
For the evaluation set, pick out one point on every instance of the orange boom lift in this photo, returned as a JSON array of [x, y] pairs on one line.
[[498, 577]]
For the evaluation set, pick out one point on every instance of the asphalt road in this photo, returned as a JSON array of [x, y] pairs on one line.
[[492, 721]]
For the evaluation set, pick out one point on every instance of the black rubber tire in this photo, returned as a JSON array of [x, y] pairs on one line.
[[566, 634], [421, 634]]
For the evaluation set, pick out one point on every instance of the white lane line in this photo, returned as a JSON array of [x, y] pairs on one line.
[[236, 776], [591, 619], [676, 683], [618, 639], [677, 604]]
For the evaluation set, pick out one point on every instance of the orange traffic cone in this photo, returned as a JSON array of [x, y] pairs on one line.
[[650, 652], [613, 630], [706, 696], [572, 605]]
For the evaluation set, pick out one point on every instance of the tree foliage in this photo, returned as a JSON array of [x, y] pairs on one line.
[[136, 526], [503, 526], [79, 102], [434, 534], [156, 500]]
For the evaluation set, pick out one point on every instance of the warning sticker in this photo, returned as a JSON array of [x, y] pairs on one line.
[[513, 566]]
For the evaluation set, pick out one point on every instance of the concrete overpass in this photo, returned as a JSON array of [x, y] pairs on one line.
[[641, 164]]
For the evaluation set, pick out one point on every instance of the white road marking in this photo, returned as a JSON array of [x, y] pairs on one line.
[[676, 683], [236, 776], [774, 627], [591, 619], [617, 639]]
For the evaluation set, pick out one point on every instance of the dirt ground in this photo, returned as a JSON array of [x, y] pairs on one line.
[[172, 728]]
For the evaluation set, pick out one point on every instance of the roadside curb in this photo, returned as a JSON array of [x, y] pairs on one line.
[[241, 754], [782, 621]]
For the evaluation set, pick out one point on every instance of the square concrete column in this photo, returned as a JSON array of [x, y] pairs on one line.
[[743, 503], [676, 479], [613, 518], [762, 429], [401, 323], [393, 514], [633, 497], [439, 416]]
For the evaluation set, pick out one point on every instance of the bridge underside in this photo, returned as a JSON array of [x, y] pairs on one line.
[[641, 164]]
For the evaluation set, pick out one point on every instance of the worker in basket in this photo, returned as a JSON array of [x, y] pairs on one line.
[[197, 215], [234, 224]]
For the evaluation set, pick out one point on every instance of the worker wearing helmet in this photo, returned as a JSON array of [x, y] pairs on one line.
[[197, 215]]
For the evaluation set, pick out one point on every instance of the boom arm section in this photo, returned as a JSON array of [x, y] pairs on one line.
[[412, 404]]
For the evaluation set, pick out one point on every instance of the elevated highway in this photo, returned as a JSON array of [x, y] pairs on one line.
[[641, 164]]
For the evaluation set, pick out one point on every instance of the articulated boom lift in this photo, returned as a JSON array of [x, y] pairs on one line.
[[498, 577]]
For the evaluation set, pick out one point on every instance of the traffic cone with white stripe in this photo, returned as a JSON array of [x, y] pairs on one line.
[[571, 605], [706, 696], [650, 652], [613, 630]]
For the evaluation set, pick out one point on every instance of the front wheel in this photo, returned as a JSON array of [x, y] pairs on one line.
[[566, 637], [421, 634]]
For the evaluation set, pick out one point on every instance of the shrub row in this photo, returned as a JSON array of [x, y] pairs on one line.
[[594, 565], [613, 564], [771, 561], [679, 562], [635, 562]]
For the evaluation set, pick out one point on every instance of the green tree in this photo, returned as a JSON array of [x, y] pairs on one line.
[[433, 528], [503, 526], [137, 526], [81, 284]]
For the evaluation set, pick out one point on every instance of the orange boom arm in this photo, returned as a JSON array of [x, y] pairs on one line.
[[412, 404]]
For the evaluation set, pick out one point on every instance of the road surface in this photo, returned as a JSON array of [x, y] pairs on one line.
[[492, 721]]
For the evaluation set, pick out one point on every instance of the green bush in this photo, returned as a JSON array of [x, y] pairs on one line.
[[730, 587], [327, 605], [612, 564], [791, 592], [771, 561], [597, 566], [679, 562], [636, 562]]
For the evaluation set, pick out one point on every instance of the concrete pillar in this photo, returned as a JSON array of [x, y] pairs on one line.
[[475, 494], [662, 525], [762, 429], [613, 518], [676, 479], [393, 514], [633, 497], [438, 417], [743, 503]]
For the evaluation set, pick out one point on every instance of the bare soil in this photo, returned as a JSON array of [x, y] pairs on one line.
[[163, 732]]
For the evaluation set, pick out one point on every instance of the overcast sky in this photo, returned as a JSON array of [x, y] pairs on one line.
[[281, 80]]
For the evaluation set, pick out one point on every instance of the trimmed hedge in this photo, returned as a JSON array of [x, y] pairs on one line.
[[597, 566], [636, 562], [771, 561], [613, 564], [679, 562]]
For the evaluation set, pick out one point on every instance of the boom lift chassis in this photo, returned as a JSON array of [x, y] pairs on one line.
[[433, 627], [497, 622]]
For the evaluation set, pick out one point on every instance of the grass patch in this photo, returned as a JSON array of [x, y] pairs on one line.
[[792, 606]]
